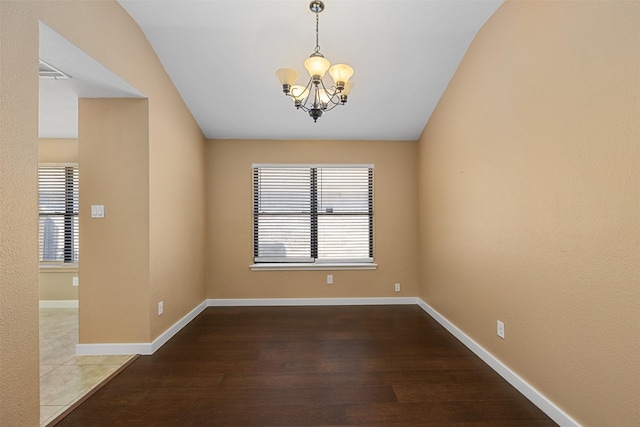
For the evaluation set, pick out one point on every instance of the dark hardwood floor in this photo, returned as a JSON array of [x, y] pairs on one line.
[[309, 366]]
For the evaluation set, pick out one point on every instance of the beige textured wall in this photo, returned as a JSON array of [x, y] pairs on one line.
[[529, 201], [230, 220], [19, 391], [90, 26]]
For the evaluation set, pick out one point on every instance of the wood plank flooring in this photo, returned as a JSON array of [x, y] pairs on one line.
[[309, 366]]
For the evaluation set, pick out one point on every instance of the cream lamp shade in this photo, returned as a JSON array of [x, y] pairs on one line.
[[287, 76], [316, 65], [341, 73]]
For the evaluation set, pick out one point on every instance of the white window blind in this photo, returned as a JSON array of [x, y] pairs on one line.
[[58, 211], [313, 213]]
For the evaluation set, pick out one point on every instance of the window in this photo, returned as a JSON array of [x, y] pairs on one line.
[[58, 209], [313, 213]]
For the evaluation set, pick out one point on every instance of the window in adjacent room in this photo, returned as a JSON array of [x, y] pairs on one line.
[[58, 210], [313, 213]]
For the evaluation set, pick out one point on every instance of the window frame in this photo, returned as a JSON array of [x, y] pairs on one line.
[[314, 262], [71, 236]]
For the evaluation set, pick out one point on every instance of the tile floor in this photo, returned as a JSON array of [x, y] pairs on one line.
[[65, 377]]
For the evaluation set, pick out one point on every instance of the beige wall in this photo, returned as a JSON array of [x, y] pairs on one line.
[[114, 268], [57, 150], [57, 284], [173, 169], [176, 213], [174, 139], [19, 391], [529, 201], [230, 220]]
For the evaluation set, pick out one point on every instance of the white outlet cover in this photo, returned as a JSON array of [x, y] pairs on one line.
[[500, 329]]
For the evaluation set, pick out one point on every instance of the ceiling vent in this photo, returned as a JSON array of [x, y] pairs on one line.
[[47, 71]]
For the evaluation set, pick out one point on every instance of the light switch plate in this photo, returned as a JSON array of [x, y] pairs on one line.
[[97, 211], [500, 329]]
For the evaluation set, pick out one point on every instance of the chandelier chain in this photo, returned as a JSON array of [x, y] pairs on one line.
[[317, 49]]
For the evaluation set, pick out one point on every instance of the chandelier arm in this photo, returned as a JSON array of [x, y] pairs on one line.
[[303, 105], [332, 95], [333, 105], [335, 99], [311, 99]]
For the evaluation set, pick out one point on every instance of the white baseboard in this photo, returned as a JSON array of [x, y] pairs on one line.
[[113, 348], [59, 303], [150, 348], [273, 302], [140, 348], [537, 398], [169, 333]]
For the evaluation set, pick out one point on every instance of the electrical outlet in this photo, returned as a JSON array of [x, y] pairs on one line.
[[74, 281], [160, 308], [329, 279], [397, 287], [500, 329]]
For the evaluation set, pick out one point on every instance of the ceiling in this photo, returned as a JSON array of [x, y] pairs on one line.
[[222, 55], [58, 99]]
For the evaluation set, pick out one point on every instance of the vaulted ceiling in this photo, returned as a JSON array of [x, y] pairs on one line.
[[222, 56]]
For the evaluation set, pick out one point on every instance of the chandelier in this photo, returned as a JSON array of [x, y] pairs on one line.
[[317, 97]]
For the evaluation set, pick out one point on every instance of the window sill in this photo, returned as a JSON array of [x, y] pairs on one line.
[[312, 266], [58, 268]]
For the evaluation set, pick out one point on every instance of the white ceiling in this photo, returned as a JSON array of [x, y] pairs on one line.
[[222, 56]]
